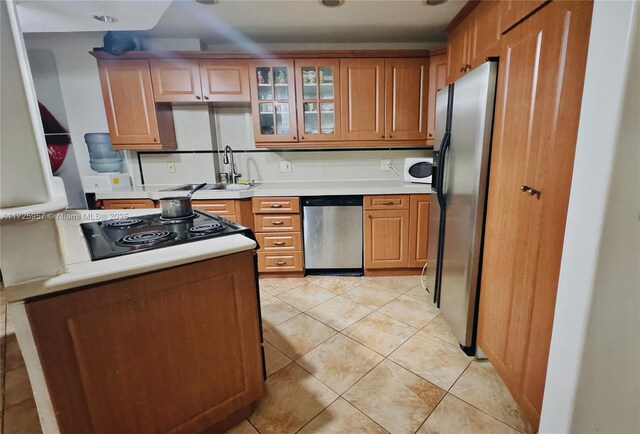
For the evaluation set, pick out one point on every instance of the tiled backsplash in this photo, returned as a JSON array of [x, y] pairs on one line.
[[233, 127]]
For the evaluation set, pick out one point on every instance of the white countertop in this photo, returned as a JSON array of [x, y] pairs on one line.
[[283, 188], [82, 271]]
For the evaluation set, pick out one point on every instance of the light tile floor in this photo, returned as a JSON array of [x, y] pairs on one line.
[[344, 355]]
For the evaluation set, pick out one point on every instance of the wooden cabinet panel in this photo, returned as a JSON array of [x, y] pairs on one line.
[[397, 201], [280, 262], [419, 229], [224, 81], [484, 32], [537, 112], [362, 95], [273, 100], [276, 205], [386, 239], [277, 223], [175, 80], [130, 109], [279, 242], [457, 52], [127, 203], [220, 207], [406, 98], [437, 81], [175, 350], [513, 11], [318, 99]]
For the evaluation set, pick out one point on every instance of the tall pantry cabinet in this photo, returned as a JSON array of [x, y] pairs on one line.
[[541, 75]]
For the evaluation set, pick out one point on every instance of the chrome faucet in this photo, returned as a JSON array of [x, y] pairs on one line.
[[233, 175]]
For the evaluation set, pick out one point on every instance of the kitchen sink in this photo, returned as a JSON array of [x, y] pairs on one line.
[[189, 187]]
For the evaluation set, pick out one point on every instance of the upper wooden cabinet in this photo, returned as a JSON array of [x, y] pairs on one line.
[[184, 80], [406, 98], [175, 80], [318, 99], [273, 100], [224, 81], [474, 39], [362, 99], [513, 11], [437, 80], [135, 122], [458, 52]]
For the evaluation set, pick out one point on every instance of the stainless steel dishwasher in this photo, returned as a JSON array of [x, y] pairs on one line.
[[332, 234]]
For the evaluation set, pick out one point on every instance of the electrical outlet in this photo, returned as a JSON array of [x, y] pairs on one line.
[[285, 166], [385, 164], [171, 167]]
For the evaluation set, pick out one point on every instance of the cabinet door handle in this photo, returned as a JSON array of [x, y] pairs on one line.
[[198, 97], [533, 192], [155, 139], [301, 137], [277, 223], [206, 97], [525, 188], [390, 136], [278, 243], [382, 136], [281, 262], [294, 137], [276, 205]]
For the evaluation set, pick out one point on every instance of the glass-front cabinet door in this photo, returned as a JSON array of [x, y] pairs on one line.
[[273, 101], [318, 99]]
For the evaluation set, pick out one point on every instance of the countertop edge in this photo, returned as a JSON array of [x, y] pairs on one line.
[[86, 273]]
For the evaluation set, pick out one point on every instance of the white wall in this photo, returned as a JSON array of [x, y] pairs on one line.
[[593, 378], [47, 85]]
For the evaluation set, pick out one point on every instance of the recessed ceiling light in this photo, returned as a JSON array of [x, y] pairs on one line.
[[332, 3], [104, 18], [434, 2]]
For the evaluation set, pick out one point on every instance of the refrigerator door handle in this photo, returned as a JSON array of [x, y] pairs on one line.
[[446, 141]]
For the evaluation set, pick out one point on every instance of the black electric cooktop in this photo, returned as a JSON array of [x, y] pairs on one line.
[[111, 238]]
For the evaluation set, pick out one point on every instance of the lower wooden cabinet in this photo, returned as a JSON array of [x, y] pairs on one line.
[[419, 229], [395, 232], [127, 203], [176, 350], [278, 231]]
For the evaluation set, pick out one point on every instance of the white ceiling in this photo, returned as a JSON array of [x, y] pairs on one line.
[[53, 16], [244, 23], [241, 22]]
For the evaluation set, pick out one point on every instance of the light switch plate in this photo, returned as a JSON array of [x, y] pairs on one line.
[[171, 167]]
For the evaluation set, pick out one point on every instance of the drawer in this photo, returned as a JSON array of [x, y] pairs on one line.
[[277, 223], [279, 262], [276, 205], [221, 207], [280, 241], [127, 204], [386, 202]]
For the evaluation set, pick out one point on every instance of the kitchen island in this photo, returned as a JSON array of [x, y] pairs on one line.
[[166, 340]]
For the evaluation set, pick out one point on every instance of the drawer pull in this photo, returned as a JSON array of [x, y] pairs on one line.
[[278, 243], [386, 202], [278, 223], [276, 205], [281, 262]]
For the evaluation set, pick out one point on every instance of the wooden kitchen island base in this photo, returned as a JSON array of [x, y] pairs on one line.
[[177, 350]]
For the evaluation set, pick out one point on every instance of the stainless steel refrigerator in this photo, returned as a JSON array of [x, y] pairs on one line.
[[464, 121]]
